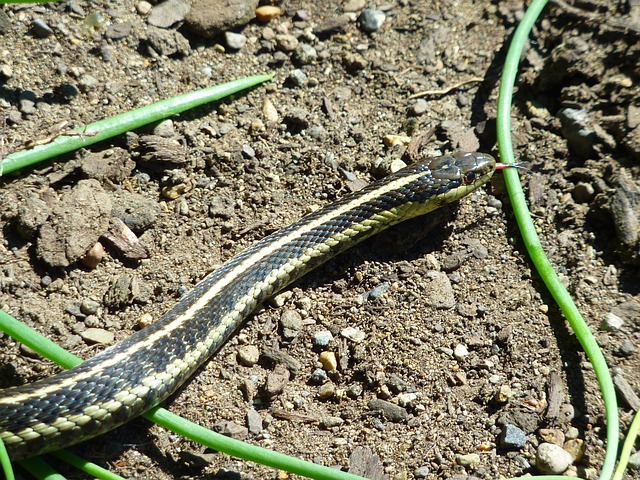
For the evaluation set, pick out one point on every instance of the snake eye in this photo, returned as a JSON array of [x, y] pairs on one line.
[[469, 178]]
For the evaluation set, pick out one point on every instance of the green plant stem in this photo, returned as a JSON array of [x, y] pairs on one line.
[[166, 419], [532, 242], [124, 122], [5, 463], [625, 453], [40, 469], [95, 471]]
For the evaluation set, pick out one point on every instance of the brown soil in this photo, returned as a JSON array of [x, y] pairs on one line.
[[203, 196]]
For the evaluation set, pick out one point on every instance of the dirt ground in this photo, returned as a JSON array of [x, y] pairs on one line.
[[450, 326]]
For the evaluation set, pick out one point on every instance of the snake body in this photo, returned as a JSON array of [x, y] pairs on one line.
[[138, 373]]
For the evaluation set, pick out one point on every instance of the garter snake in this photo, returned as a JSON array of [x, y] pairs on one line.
[[130, 377]]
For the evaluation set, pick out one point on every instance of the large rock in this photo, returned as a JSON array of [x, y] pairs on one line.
[[209, 18]]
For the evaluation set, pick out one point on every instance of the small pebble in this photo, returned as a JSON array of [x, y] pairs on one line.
[[468, 460], [254, 421], [371, 20], [627, 348], [143, 7], [379, 290], [389, 410], [286, 42], [576, 448], [145, 320], [318, 377], [552, 435], [330, 422], [353, 334], [326, 390], [40, 29], [421, 106], [612, 322], [248, 355], [322, 338], [304, 54], [234, 41], [634, 461], [298, 78], [94, 256], [552, 459], [571, 433], [97, 335], [503, 394], [421, 472], [407, 399], [291, 323], [266, 13], [329, 361], [460, 352], [512, 437], [89, 307]]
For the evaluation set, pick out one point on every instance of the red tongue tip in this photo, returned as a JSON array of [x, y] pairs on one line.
[[502, 166]]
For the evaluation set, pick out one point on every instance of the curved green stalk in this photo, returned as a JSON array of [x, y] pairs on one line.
[[124, 122], [40, 469], [625, 453], [5, 463], [95, 471], [532, 242]]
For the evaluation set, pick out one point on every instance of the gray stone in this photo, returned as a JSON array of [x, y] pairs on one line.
[[322, 338], [97, 335], [304, 54], [331, 422], [234, 41], [291, 323], [248, 355], [89, 307], [439, 293], [167, 42], [168, 13], [379, 290], [576, 129], [627, 348], [552, 459], [118, 31], [421, 472], [612, 322], [286, 42], [231, 429], [389, 410], [209, 18], [27, 100], [87, 83], [40, 29], [298, 78], [371, 20], [254, 421], [468, 460], [634, 461], [318, 377], [512, 437], [421, 106]]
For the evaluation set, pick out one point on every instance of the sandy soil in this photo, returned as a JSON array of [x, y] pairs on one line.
[[459, 334]]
